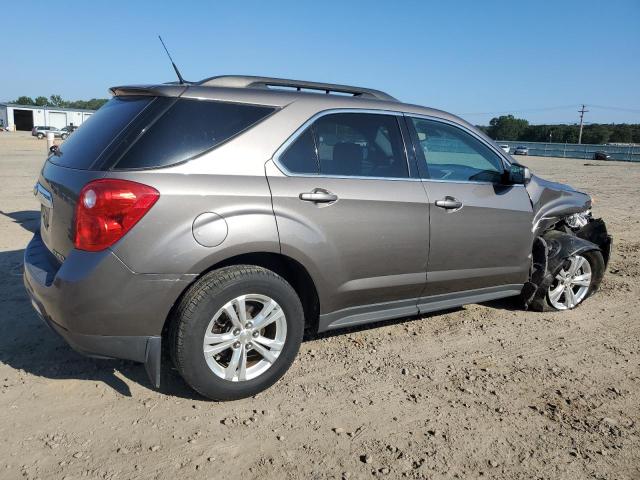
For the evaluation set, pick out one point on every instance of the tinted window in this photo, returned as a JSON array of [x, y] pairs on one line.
[[301, 155], [189, 128], [360, 144], [453, 154], [82, 148]]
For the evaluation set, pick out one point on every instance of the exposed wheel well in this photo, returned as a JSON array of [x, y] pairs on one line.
[[288, 268]]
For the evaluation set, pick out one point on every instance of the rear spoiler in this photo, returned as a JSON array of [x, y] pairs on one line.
[[149, 90]]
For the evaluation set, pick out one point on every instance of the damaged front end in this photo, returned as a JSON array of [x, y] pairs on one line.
[[563, 228]]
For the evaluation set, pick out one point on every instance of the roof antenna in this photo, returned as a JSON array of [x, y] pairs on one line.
[[182, 82]]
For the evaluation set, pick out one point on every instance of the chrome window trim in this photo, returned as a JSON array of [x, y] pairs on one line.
[[300, 130], [498, 151], [473, 182]]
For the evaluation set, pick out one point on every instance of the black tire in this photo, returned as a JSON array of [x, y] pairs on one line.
[[64, 136], [40, 136], [596, 261], [195, 311]]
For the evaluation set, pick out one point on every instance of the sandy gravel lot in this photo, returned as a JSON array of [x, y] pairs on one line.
[[485, 391]]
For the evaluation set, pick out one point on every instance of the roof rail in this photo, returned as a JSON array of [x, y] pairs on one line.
[[242, 81]]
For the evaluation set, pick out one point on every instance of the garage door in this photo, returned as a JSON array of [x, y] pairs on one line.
[[57, 119], [23, 119]]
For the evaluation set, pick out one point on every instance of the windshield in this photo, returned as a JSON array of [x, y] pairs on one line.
[[86, 145]]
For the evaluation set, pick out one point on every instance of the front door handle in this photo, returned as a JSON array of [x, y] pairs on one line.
[[449, 203], [318, 196]]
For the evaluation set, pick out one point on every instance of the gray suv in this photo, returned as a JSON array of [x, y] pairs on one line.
[[41, 132], [218, 221]]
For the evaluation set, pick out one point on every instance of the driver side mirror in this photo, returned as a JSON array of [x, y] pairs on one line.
[[518, 174]]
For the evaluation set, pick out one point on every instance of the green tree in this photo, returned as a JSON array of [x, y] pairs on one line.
[[96, 103], [622, 134], [56, 101], [507, 127], [41, 101], [596, 134], [24, 101]]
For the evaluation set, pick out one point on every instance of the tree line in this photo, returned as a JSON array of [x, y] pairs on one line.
[[58, 101], [507, 127]]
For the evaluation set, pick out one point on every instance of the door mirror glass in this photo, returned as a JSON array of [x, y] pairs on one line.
[[519, 174]]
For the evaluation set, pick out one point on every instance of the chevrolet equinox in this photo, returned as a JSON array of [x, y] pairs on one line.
[[219, 220]]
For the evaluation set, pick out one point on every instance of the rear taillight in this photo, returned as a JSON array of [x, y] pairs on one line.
[[109, 208]]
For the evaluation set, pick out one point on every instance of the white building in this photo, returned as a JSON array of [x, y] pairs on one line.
[[25, 117]]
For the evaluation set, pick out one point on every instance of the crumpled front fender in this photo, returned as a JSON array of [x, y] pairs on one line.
[[596, 232], [551, 249]]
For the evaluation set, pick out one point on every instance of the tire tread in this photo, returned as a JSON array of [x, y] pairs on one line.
[[209, 285]]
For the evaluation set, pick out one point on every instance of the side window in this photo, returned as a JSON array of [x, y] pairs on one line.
[[301, 155], [360, 145], [189, 128], [453, 154]]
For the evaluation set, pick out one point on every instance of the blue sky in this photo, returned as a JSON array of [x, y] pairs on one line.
[[538, 60]]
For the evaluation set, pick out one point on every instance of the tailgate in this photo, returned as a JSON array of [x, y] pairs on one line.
[[57, 190]]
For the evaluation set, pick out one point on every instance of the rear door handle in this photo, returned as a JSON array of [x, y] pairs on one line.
[[449, 203], [318, 196]]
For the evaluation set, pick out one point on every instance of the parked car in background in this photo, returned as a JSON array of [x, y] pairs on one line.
[[600, 155], [521, 150], [225, 218], [41, 132], [505, 147], [69, 129]]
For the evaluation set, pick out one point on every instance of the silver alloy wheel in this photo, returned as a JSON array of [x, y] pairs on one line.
[[571, 285], [245, 337]]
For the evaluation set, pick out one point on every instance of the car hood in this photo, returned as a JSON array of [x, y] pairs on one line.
[[552, 201]]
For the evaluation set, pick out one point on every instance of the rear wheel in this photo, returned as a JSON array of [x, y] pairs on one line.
[[40, 136], [236, 332]]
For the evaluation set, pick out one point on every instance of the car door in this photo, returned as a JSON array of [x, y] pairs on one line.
[[480, 227], [351, 209]]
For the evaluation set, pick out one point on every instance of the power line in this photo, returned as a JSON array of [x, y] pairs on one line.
[[622, 109], [543, 109], [524, 110]]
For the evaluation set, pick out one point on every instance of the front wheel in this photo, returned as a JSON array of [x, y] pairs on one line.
[[236, 332], [40, 136], [577, 279]]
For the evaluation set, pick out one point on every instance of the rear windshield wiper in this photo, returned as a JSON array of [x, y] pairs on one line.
[[55, 150]]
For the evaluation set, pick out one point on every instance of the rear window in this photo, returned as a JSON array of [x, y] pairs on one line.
[[187, 129], [84, 147]]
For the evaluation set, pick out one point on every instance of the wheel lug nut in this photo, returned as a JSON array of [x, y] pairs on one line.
[[256, 334], [249, 325], [236, 332], [236, 345]]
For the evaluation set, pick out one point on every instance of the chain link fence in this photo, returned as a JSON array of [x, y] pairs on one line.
[[626, 153]]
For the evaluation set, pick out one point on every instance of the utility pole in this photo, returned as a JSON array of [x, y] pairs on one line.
[[582, 111]]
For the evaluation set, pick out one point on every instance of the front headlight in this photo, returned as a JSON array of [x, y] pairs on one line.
[[578, 220]]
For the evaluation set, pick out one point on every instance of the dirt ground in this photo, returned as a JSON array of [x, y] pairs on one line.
[[483, 391]]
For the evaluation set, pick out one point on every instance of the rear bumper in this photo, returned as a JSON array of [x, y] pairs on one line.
[[99, 306], [144, 349]]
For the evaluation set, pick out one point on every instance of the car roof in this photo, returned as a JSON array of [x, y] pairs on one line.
[[278, 92]]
